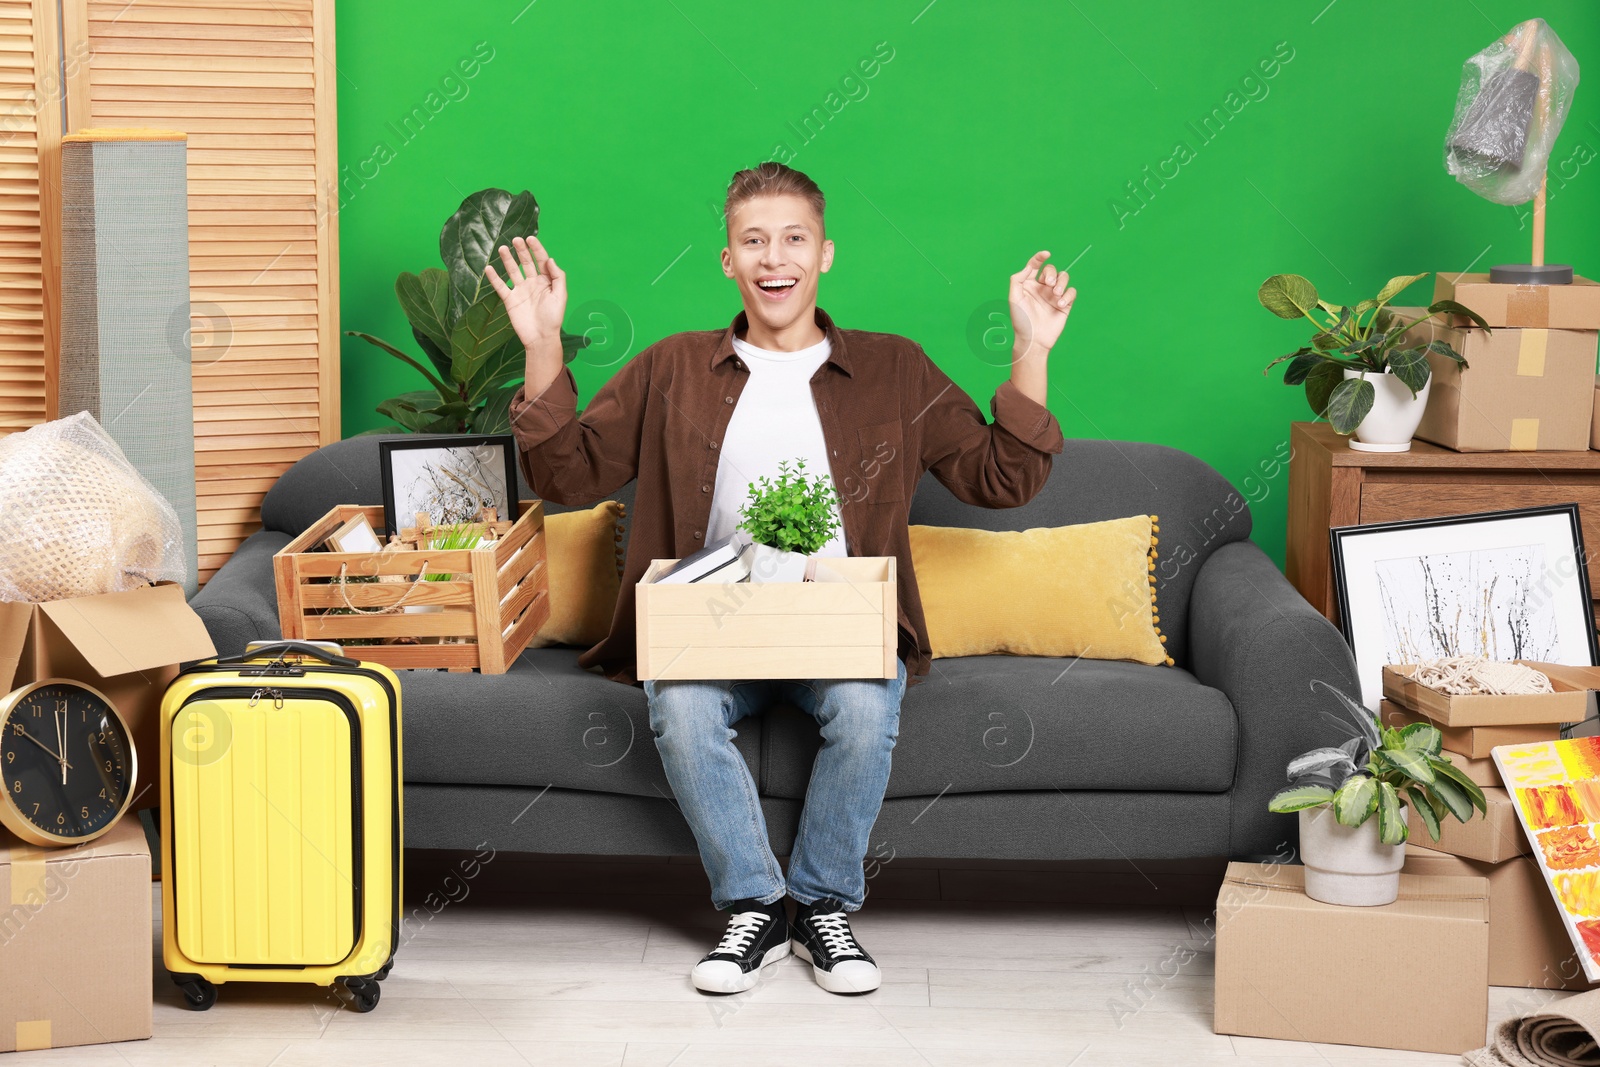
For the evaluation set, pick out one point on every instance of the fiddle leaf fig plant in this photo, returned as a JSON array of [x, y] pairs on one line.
[[1365, 338], [1371, 772], [474, 359], [793, 513]]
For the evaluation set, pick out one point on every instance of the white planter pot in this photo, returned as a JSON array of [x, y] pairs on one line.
[[1345, 865], [1395, 414], [768, 564]]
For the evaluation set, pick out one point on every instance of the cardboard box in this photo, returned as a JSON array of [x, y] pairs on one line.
[[1473, 741], [1528, 945], [1482, 772], [843, 629], [127, 645], [1552, 307], [1294, 968], [1493, 838], [1567, 704], [1522, 389], [75, 941], [1594, 421]]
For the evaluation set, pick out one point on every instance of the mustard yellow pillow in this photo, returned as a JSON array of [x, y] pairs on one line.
[[1086, 590], [583, 552]]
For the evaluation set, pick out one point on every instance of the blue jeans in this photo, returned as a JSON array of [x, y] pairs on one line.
[[859, 718]]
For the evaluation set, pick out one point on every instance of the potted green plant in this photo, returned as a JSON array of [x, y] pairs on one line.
[[1352, 801], [1357, 371], [460, 324], [788, 519]]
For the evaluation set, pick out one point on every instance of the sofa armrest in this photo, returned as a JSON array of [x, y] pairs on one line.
[[1257, 639], [240, 602]]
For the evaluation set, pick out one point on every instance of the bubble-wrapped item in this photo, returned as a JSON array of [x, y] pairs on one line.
[[1514, 96], [77, 519]]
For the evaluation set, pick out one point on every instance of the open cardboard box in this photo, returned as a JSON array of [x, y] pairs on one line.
[[75, 929], [126, 645], [1567, 704]]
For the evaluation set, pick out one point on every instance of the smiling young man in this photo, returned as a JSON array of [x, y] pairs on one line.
[[696, 418]]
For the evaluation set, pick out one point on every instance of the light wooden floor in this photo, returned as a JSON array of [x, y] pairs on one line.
[[584, 961]]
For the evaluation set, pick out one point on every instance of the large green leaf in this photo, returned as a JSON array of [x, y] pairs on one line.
[[1356, 800], [1409, 762], [1444, 769], [479, 343], [1424, 810], [1394, 286], [1300, 366], [1459, 309], [471, 238], [495, 415], [444, 390], [1422, 737], [425, 299], [421, 412], [1391, 827], [1454, 797], [1444, 349], [1410, 365], [1320, 384], [1299, 796], [1349, 403], [1288, 296]]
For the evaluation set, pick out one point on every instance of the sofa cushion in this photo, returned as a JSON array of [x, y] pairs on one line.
[[545, 722], [985, 723], [1091, 481], [585, 572]]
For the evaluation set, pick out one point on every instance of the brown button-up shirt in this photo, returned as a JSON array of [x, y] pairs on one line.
[[888, 414]]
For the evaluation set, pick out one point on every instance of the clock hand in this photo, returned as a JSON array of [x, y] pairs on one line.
[[61, 748], [44, 746]]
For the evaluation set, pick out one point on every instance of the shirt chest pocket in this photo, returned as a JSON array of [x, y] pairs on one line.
[[876, 473]]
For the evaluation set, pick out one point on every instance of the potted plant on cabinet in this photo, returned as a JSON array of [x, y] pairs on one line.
[[1355, 372], [788, 519], [1352, 802]]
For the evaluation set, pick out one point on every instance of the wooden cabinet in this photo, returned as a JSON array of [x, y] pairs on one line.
[[1331, 484]]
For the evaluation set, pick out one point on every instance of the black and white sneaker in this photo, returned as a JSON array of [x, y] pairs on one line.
[[821, 936], [753, 940]]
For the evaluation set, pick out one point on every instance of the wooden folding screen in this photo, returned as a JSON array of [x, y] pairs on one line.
[[252, 83]]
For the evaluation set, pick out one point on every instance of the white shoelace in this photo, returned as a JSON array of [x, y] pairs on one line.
[[834, 929], [742, 929]]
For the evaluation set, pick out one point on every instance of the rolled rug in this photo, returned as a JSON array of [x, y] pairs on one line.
[[1561, 1034]]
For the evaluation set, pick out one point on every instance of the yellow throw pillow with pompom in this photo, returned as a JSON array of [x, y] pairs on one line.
[[1086, 590], [583, 550]]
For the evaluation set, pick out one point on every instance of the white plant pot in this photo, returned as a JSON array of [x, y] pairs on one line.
[[1395, 414], [768, 564], [1345, 865]]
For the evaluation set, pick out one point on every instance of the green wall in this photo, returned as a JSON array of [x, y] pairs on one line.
[[987, 130]]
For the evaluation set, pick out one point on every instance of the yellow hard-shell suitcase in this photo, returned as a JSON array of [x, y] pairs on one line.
[[281, 822]]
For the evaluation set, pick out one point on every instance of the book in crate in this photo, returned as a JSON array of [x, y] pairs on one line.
[[492, 601]]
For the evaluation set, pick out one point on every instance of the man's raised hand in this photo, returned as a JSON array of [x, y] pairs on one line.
[[1039, 306], [536, 299]]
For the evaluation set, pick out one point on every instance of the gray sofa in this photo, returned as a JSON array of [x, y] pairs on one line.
[[999, 757]]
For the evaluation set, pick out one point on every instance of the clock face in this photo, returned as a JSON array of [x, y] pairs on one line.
[[66, 762]]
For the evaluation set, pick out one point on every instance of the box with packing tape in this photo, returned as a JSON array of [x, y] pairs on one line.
[[1521, 389], [1294, 968], [1528, 945], [1540, 307], [75, 930], [1474, 742]]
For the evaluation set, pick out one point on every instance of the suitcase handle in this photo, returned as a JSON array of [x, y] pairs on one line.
[[281, 648]]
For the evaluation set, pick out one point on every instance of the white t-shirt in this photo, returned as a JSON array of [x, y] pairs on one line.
[[774, 420]]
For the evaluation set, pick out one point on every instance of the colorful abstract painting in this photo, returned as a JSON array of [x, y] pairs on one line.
[[1556, 787]]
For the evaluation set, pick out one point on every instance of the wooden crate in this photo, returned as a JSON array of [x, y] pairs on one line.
[[771, 630], [497, 602]]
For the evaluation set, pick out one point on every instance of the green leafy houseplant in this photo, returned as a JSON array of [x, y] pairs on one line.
[[793, 513], [474, 359], [1365, 338], [1369, 773], [460, 536]]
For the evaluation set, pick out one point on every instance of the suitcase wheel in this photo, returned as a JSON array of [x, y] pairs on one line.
[[198, 994], [364, 993]]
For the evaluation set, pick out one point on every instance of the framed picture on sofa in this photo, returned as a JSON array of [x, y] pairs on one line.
[[450, 478], [1502, 584]]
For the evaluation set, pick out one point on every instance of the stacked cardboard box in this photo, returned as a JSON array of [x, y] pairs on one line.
[[1294, 968], [1528, 946], [1530, 381]]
